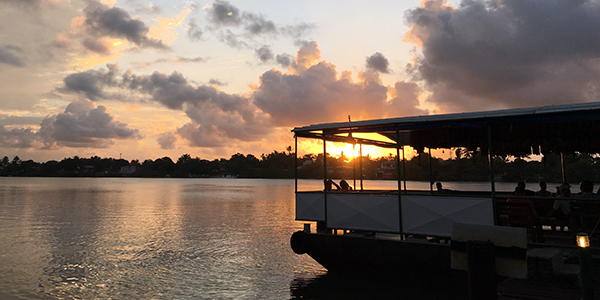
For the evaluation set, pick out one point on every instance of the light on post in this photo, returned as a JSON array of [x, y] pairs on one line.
[[583, 240]]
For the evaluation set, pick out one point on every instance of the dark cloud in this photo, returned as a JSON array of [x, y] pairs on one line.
[[498, 54], [19, 120], [217, 82], [264, 54], [258, 25], [167, 140], [224, 14], [95, 45], [378, 62], [233, 40], [11, 55], [91, 83], [284, 60], [17, 138], [82, 124], [102, 20], [194, 31], [239, 29]]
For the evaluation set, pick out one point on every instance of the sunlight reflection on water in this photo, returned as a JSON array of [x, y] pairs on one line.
[[128, 238]]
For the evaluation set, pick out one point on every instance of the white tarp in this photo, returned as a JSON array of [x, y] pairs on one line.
[[363, 212], [434, 215], [310, 206]]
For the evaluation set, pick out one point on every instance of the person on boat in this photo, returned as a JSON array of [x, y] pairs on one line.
[[442, 190], [329, 184], [527, 192], [543, 192], [582, 210], [525, 216], [543, 206], [344, 186], [561, 209]]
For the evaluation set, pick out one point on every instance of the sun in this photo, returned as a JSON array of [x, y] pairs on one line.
[[335, 149]]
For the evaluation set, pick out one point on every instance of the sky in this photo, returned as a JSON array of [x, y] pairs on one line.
[[147, 79]]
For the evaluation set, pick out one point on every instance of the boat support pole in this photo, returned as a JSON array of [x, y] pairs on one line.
[[322, 225], [360, 166], [404, 167], [430, 172], [562, 167], [491, 163], [295, 163], [399, 183]]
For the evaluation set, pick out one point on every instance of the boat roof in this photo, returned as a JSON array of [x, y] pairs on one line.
[[556, 128]]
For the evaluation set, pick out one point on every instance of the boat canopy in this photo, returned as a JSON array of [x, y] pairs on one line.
[[566, 128]]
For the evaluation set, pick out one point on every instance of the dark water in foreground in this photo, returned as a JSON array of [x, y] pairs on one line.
[[115, 238]]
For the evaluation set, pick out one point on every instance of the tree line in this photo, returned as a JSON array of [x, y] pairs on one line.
[[464, 166]]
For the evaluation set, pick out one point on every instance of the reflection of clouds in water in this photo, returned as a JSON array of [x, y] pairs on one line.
[[138, 238]]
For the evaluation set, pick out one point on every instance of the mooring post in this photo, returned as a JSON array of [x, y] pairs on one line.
[[482, 270]]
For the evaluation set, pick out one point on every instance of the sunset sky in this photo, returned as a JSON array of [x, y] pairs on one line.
[[146, 79]]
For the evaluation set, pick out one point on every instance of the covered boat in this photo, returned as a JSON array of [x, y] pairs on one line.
[[407, 233]]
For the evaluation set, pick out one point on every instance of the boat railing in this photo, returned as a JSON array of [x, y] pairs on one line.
[[424, 213]]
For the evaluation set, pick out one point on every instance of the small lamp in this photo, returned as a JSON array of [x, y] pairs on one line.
[[583, 240]]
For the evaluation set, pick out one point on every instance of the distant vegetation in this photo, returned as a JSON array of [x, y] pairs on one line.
[[466, 165]]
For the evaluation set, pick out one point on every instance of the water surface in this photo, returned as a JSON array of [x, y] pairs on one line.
[[131, 238]]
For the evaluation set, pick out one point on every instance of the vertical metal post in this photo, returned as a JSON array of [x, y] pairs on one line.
[[295, 163], [354, 165], [562, 166], [430, 172], [360, 166], [404, 167], [491, 164], [399, 182], [322, 225]]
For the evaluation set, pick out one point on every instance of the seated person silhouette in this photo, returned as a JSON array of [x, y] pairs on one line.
[[329, 184], [344, 186]]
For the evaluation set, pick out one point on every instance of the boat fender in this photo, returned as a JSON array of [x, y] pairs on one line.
[[299, 242]]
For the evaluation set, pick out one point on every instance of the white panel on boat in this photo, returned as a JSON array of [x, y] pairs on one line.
[[310, 206], [363, 212], [434, 215]]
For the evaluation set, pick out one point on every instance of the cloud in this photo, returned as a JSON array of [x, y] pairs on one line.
[[11, 55], [498, 54], [284, 60], [215, 116], [177, 60], [312, 92], [26, 4], [83, 124], [102, 20], [378, 62], [17, 138], [167, 140], [91, 83], [194, 31], [224, 14], [239, 29], [217, 82], [264, 54]]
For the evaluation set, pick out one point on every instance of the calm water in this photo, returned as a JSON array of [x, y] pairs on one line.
[[100, 238]]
